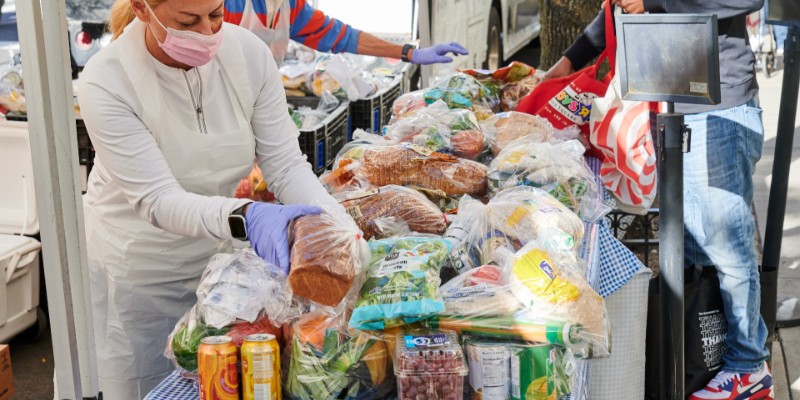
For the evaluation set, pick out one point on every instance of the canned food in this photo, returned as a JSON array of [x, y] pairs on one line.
[[261, 376], [216, 367]]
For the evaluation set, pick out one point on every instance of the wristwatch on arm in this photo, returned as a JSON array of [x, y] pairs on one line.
[[238, 223], [406, 53]]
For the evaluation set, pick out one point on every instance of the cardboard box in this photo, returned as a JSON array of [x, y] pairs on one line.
[[6, 377]]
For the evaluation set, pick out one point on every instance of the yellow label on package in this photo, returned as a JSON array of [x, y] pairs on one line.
[[515, 157], [535, 270]]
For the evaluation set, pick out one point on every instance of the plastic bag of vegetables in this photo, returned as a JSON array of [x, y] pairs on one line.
[[402, 284], [185, 338], [513, 218], [328, 360], [560, 169], [441, 129], [460, 90]]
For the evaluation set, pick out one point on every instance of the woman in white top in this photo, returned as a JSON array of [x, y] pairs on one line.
[[178, 106]]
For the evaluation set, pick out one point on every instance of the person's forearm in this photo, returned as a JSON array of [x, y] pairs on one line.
[[371, 45]]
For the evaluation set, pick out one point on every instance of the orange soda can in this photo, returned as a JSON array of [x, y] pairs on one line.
[[261, 375], [216, 365]]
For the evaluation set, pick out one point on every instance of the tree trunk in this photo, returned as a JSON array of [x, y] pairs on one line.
[[562, 22]]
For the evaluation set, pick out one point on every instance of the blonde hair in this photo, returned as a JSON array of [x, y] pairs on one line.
[[122, 14]]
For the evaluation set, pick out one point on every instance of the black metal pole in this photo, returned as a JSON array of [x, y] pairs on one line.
[[776, 208], [670, 254]]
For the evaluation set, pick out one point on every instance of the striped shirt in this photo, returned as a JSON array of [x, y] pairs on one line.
[[307, 26]]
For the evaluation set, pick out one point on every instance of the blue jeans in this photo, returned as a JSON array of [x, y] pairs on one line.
[[718, 192]]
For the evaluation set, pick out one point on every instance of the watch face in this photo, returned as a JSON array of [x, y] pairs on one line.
[[238, 227]]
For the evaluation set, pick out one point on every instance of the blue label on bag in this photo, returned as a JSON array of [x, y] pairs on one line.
[[414, 341]]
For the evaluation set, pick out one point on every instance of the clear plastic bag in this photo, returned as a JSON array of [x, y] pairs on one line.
[[459, 90], [183, 342], [480, 292], [517, 371], [407, 105], [12, 90], [402, 283], [503, 128], [513, 218], [513, 82], [362, 165], [240, 286], [328, 257], [376, 211], [329, 360], [560, 169], [440, 129]]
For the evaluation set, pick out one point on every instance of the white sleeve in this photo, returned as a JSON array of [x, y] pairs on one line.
[[284, 166], [129, 154]]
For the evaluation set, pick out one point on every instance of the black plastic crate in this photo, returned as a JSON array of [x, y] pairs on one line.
[[373, 113], [324, 140]]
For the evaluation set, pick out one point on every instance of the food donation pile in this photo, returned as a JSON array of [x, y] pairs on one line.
[[450, 270]]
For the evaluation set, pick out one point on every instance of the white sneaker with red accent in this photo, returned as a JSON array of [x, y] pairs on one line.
[[735, 386]]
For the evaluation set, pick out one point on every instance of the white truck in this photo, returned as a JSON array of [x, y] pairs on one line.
[[492, 30]]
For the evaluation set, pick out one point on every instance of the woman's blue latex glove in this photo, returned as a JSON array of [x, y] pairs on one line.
[[437, 53], [268, 229]]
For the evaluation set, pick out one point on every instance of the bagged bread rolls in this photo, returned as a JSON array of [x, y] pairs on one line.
[[400, 165], [328, 255], [373, 210]]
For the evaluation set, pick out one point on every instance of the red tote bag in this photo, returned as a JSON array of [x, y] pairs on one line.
[[567, 101]]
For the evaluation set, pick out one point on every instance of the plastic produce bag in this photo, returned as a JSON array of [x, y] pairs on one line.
[[438, 128], [460, 90], [378, 209], [12, 90], [517, 371], [481, 292], [503, 128], [328, 360], [402, 283], [512, 82], [406, 165], [513, 218], [407, 105], [183, 342], [560, 169], [328, 257], [240, 286]]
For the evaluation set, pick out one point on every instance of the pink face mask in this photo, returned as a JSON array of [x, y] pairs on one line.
[[188, 47]]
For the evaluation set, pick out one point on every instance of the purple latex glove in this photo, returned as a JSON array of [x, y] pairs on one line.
[[268, 229], [437, 53]]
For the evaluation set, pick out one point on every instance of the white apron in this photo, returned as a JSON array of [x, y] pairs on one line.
[[276, 33], [144, 278]]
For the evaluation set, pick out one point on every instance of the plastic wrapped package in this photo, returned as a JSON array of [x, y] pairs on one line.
[[459, 90], [513, 82], [517, 371], [328, 360], [240, 286], [438, 128], [504, 128], [374, 209], [513, 218], [407, 165], [12, 90], [408, 104], [480, 292], [183, 342], [328, 257], [429, 365], [402, 283], [560, 169]]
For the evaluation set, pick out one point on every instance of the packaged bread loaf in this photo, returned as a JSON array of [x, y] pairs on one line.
[[374, 209], [408, 165], [504, 128], [328, 255]]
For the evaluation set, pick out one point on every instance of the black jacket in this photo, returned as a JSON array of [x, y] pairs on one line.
[[736, 59]]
